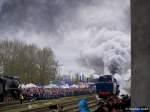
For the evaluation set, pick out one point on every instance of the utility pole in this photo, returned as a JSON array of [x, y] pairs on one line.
[[59, 69]]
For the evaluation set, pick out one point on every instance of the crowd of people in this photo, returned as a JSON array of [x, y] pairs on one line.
[[35, 93], [110, 104], [114, 104]]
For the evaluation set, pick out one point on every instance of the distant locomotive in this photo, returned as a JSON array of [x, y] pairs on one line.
[[9, 85], [106, 86]]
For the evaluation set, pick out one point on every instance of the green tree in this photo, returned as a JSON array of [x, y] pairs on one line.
[[31, 63]]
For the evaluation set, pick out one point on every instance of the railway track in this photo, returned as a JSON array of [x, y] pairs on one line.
[[70, 108], [8, 103], [9, 106], [43, 106], [67, 106]]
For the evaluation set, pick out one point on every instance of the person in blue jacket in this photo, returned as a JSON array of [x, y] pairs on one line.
[[83, 106]]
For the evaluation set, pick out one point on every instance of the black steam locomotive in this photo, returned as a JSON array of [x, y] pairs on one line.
[[107, 89], [9, 86], [106, 86]]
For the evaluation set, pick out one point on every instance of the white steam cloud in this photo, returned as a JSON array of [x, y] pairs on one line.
[[112, 47]]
